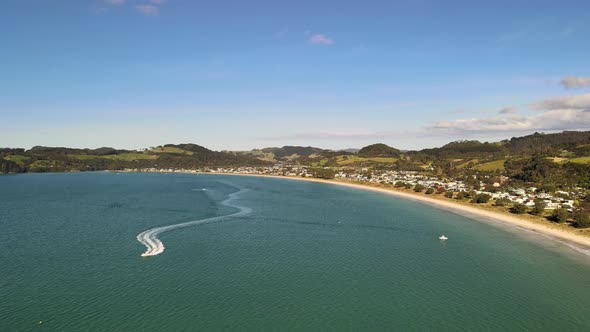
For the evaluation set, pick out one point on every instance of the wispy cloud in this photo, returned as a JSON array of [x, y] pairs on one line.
[[572, 82], [568, 31], [149, 10], [532, 34], [557, 113], [342, 134], [507, 110], [513, 36], [320, 39], [553, 120], [503, 110], [145, 7], [356, 51], [568, 102], [281, 33], [115, 2]]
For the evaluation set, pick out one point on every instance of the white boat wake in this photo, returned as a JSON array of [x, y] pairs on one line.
[[155, 247]]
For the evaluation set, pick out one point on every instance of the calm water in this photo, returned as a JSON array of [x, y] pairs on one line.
[[308, 256]]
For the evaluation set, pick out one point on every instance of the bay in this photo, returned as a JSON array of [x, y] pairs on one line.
[[308, 256]]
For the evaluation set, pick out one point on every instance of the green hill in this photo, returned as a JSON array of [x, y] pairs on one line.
[[379, 150], [555, 157], [58, 159]]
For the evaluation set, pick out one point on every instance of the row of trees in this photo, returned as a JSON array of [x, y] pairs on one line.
[[7, 166], [323, 173]]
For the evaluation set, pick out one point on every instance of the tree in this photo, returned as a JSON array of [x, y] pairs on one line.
[[581, 219], [323, 173], [548, 188], [502, 201], [449, 194], [539, 207], [419, 188], [560, 215], [429, 191], [7, 166], [460, 195], [399, 184], [481, 198], [471, 181], [518, 208]]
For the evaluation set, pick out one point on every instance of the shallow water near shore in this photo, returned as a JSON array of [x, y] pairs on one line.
[[307, 256]]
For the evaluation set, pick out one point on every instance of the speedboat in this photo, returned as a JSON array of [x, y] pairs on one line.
[[443, 237]]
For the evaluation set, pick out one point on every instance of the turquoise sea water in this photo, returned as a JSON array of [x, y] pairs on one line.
[[308, 256]]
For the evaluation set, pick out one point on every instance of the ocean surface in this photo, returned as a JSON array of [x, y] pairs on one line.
[[288, 255]]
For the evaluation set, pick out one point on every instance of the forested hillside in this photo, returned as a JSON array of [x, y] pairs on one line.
[[560, 159], [59, 159]]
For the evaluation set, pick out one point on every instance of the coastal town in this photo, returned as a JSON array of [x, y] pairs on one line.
[[488, 188]]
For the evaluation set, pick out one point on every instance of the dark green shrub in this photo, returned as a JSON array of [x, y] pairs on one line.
[[481, 198], [518, 208], [581, 219], [560, 215], [502, 202]]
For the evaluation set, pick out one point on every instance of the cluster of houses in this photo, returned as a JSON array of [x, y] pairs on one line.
[[529, 196], [526, 196]]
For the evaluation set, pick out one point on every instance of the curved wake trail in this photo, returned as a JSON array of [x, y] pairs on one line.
[[155, 247]]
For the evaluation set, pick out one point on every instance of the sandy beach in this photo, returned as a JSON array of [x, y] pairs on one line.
[[557, 233]]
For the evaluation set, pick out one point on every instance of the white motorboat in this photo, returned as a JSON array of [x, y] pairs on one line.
[[443, 237]]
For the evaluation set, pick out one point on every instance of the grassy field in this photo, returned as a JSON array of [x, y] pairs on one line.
[[131, 156], [170, 149], [17, 159], [266, 158], [557, 160], [491, 166], [463, 165], [123, 156], [322, 162], [580, 160], [347, 160], [83, 156]]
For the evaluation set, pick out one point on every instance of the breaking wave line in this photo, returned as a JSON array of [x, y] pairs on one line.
[[155, 247]]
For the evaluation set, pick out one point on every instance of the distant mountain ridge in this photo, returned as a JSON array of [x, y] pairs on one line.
[[458, 156]]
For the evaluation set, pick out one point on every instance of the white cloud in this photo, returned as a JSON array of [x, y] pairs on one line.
[[320, 39], [572, 82]]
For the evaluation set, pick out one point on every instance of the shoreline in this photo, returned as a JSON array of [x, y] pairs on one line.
[[577, 241]]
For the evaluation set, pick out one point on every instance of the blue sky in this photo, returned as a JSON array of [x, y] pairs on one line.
[[249, 74]]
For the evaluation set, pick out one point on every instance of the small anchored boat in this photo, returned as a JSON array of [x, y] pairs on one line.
[[443, 237]]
